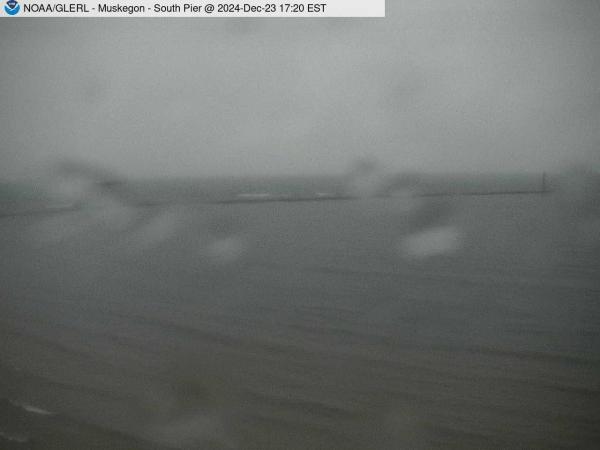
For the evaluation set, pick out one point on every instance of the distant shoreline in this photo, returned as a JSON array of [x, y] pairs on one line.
[[47, 210]]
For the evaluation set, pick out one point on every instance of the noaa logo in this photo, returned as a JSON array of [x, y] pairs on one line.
[[12, 7]]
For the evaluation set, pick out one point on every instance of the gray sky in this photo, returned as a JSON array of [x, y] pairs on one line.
[[437, 85]]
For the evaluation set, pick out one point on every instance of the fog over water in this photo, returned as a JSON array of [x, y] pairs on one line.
[[472, 86], [302, 234]]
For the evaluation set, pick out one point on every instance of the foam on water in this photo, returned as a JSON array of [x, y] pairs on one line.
[[32, 409]]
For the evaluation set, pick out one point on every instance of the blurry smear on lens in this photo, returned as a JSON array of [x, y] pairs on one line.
[[430, 242], [365, 179]]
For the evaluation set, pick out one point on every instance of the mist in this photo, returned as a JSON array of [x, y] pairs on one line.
[[298, 234], [472, 87]]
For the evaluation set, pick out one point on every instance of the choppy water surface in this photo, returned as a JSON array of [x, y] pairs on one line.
[[300, 326]]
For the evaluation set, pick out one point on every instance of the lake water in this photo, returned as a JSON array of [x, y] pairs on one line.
[[299, 326]]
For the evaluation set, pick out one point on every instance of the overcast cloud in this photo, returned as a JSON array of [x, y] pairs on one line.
[[436, 86]]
